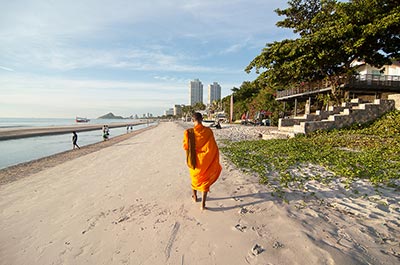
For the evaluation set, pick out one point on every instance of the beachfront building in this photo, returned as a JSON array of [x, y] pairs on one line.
[[177, 110], [195, 92], [364, 69], [214, 92], [169, 112]]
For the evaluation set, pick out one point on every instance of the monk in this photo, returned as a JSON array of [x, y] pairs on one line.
[[207, 168]]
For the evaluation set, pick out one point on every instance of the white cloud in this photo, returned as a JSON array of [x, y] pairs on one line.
[[236, 47], [6, 69], [172, 79], [128, 34], [135, 58], [70, 19]]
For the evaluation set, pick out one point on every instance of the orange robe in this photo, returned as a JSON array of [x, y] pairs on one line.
[[207, 168]]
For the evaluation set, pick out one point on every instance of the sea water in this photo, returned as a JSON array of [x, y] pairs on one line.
[[21, 150], [46, 122]]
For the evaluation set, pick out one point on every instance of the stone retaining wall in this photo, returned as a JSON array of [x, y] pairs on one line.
[[336, 118]]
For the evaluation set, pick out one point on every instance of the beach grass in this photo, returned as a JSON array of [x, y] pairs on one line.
[[370, 152]]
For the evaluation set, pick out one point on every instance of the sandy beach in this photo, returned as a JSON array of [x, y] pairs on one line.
[[128, 202]]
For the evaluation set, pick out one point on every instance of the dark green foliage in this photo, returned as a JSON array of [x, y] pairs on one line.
[[199, 106], [331, 35], [251, 98]]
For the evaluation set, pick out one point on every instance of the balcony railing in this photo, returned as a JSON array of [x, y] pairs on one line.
[[368, 82], [302, 90], [374, 81]]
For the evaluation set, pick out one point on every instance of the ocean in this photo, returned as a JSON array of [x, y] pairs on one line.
[[13, 152], [45, 122]]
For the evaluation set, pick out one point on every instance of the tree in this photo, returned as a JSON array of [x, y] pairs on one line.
[[375, 28], [247, 90], [215, 106], [199, 106], [243, 97], [187, 111], [250, 97], [265, 101], [331, 35], [226, 105]]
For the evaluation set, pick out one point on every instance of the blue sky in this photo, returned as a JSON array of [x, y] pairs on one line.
[[67, 58]]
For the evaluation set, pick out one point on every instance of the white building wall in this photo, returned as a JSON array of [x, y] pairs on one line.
[[393, 69], [364, 69]]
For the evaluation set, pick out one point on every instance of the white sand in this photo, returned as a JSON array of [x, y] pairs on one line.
[[130, 204]]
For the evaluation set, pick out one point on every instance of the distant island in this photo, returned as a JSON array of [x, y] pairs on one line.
[[110, 116]]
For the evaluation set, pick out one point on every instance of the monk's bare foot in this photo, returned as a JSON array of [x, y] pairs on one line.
[[194, 198], [203, 208]]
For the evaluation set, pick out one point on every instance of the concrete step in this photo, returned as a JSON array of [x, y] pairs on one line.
[[345, 112], [359, 107], [286, 128], [277, 134]]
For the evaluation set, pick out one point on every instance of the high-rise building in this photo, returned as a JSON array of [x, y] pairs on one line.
[[214, 92], [195, 92]]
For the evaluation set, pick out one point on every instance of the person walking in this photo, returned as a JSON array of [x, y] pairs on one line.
[[202, 158], [75, 140], [106, 132]]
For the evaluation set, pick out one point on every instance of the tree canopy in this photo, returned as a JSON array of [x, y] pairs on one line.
[[331, 35], [251, 98]]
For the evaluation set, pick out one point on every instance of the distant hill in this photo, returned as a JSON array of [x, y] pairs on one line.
[[110, 116]]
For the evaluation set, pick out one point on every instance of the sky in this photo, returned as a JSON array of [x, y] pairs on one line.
[[68, 58]]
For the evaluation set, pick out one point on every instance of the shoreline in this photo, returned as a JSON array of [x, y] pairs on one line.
[[25, 169], [24, 132]]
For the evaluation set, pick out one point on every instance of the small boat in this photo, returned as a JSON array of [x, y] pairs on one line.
[[79, 119]]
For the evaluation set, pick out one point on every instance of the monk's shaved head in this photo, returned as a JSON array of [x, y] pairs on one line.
[[197, 116]]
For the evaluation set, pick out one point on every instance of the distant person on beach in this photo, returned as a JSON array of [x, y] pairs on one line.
[[75, 140], [202, 157], [106, 132]]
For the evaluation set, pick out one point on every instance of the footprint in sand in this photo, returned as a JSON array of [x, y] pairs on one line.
[[256, 250], [277, 244], [236, 199], [243, 211], [241, 228]]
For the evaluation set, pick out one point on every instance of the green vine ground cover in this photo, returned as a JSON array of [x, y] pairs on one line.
[[370, 152]]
